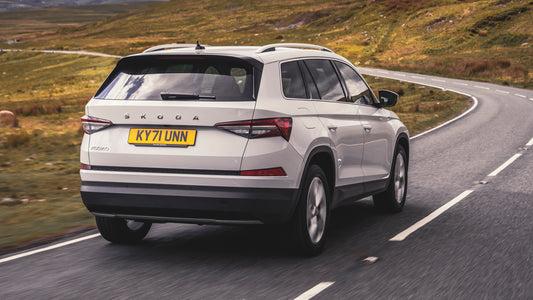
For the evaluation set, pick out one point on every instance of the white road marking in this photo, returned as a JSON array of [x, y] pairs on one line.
[[523, 96], [530, 143], [417, 77], [438, 80], [481, 87], [460, 83], [24, 254], [314, 291], [452, 120], [531, 99], [505, 164], [402, 75], [404, 234], [500, 91]]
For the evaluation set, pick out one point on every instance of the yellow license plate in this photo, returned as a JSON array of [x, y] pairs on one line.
[[171, 137]]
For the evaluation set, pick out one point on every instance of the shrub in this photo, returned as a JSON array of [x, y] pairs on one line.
[[36, 109], [398, 89], [17, 139]]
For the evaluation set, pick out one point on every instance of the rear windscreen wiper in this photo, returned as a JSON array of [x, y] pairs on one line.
[[171, 96]]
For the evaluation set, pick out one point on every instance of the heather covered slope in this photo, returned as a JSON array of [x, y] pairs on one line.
[[483, 40]]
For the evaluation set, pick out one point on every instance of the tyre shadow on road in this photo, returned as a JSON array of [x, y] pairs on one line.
[[357, 226]]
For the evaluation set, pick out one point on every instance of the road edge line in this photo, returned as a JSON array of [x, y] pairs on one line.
[[48, 248], [464, 114]]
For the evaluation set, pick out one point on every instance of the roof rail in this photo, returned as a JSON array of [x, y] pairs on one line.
[[272, 47], [169, 46]]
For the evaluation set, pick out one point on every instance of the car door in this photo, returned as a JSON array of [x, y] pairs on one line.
[[378, 133], [340, 117]]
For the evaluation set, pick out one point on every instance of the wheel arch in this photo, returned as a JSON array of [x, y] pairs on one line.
[[403, 140], [323, 157]]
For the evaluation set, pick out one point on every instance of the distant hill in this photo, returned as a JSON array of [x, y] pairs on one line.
[[6, 5], [490, 40]]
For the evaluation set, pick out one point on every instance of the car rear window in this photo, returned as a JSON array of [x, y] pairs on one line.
[[180, 78]]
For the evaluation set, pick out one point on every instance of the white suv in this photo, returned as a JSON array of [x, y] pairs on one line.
[[280, 134]]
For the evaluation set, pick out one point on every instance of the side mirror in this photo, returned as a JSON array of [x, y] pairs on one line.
[[387, 98]]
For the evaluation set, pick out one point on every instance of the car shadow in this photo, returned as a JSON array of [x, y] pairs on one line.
[[358, 226]]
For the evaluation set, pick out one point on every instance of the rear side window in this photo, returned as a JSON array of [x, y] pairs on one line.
[[311, 86], [180, 78], [326, 79], [292, 81], [359, 92]]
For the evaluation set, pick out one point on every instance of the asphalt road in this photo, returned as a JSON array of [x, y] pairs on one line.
[[479, 248]]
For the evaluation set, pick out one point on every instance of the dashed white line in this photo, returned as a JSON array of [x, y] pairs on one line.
[[522, 96], [481, 87], [438, 80], [531, 99], [314, 291], [530, 143], [460, 83], [417, 77], [504, 92], [404, 234], [505, 164], [24, 254], [402, 75]]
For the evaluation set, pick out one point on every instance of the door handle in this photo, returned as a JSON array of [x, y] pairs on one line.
[[332, 128], [367, 128]]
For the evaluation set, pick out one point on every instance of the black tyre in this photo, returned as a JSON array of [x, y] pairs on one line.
[[310, 223], [122, 231], [393, 199]]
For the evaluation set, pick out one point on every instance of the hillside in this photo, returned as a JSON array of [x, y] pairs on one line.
[[482, 40], [6, 5]]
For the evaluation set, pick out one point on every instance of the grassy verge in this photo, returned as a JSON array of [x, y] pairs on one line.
[[421, 108], [39, 159]]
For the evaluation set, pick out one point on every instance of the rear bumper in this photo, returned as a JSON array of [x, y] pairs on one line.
[[189, 204]]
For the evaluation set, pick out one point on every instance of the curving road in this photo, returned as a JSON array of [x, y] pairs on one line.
[[466, 231]]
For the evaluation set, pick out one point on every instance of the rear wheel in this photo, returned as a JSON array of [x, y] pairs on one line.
[[393, 199], [310, 223], [122, 231]]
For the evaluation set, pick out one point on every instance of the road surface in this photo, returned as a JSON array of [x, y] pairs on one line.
[[466, 231]]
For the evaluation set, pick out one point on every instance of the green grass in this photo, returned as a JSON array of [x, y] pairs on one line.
[[421, 108], [39, 160]]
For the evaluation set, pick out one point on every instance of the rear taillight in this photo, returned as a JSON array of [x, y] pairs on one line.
[[91, 124], [253, 129], [85, 167]]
